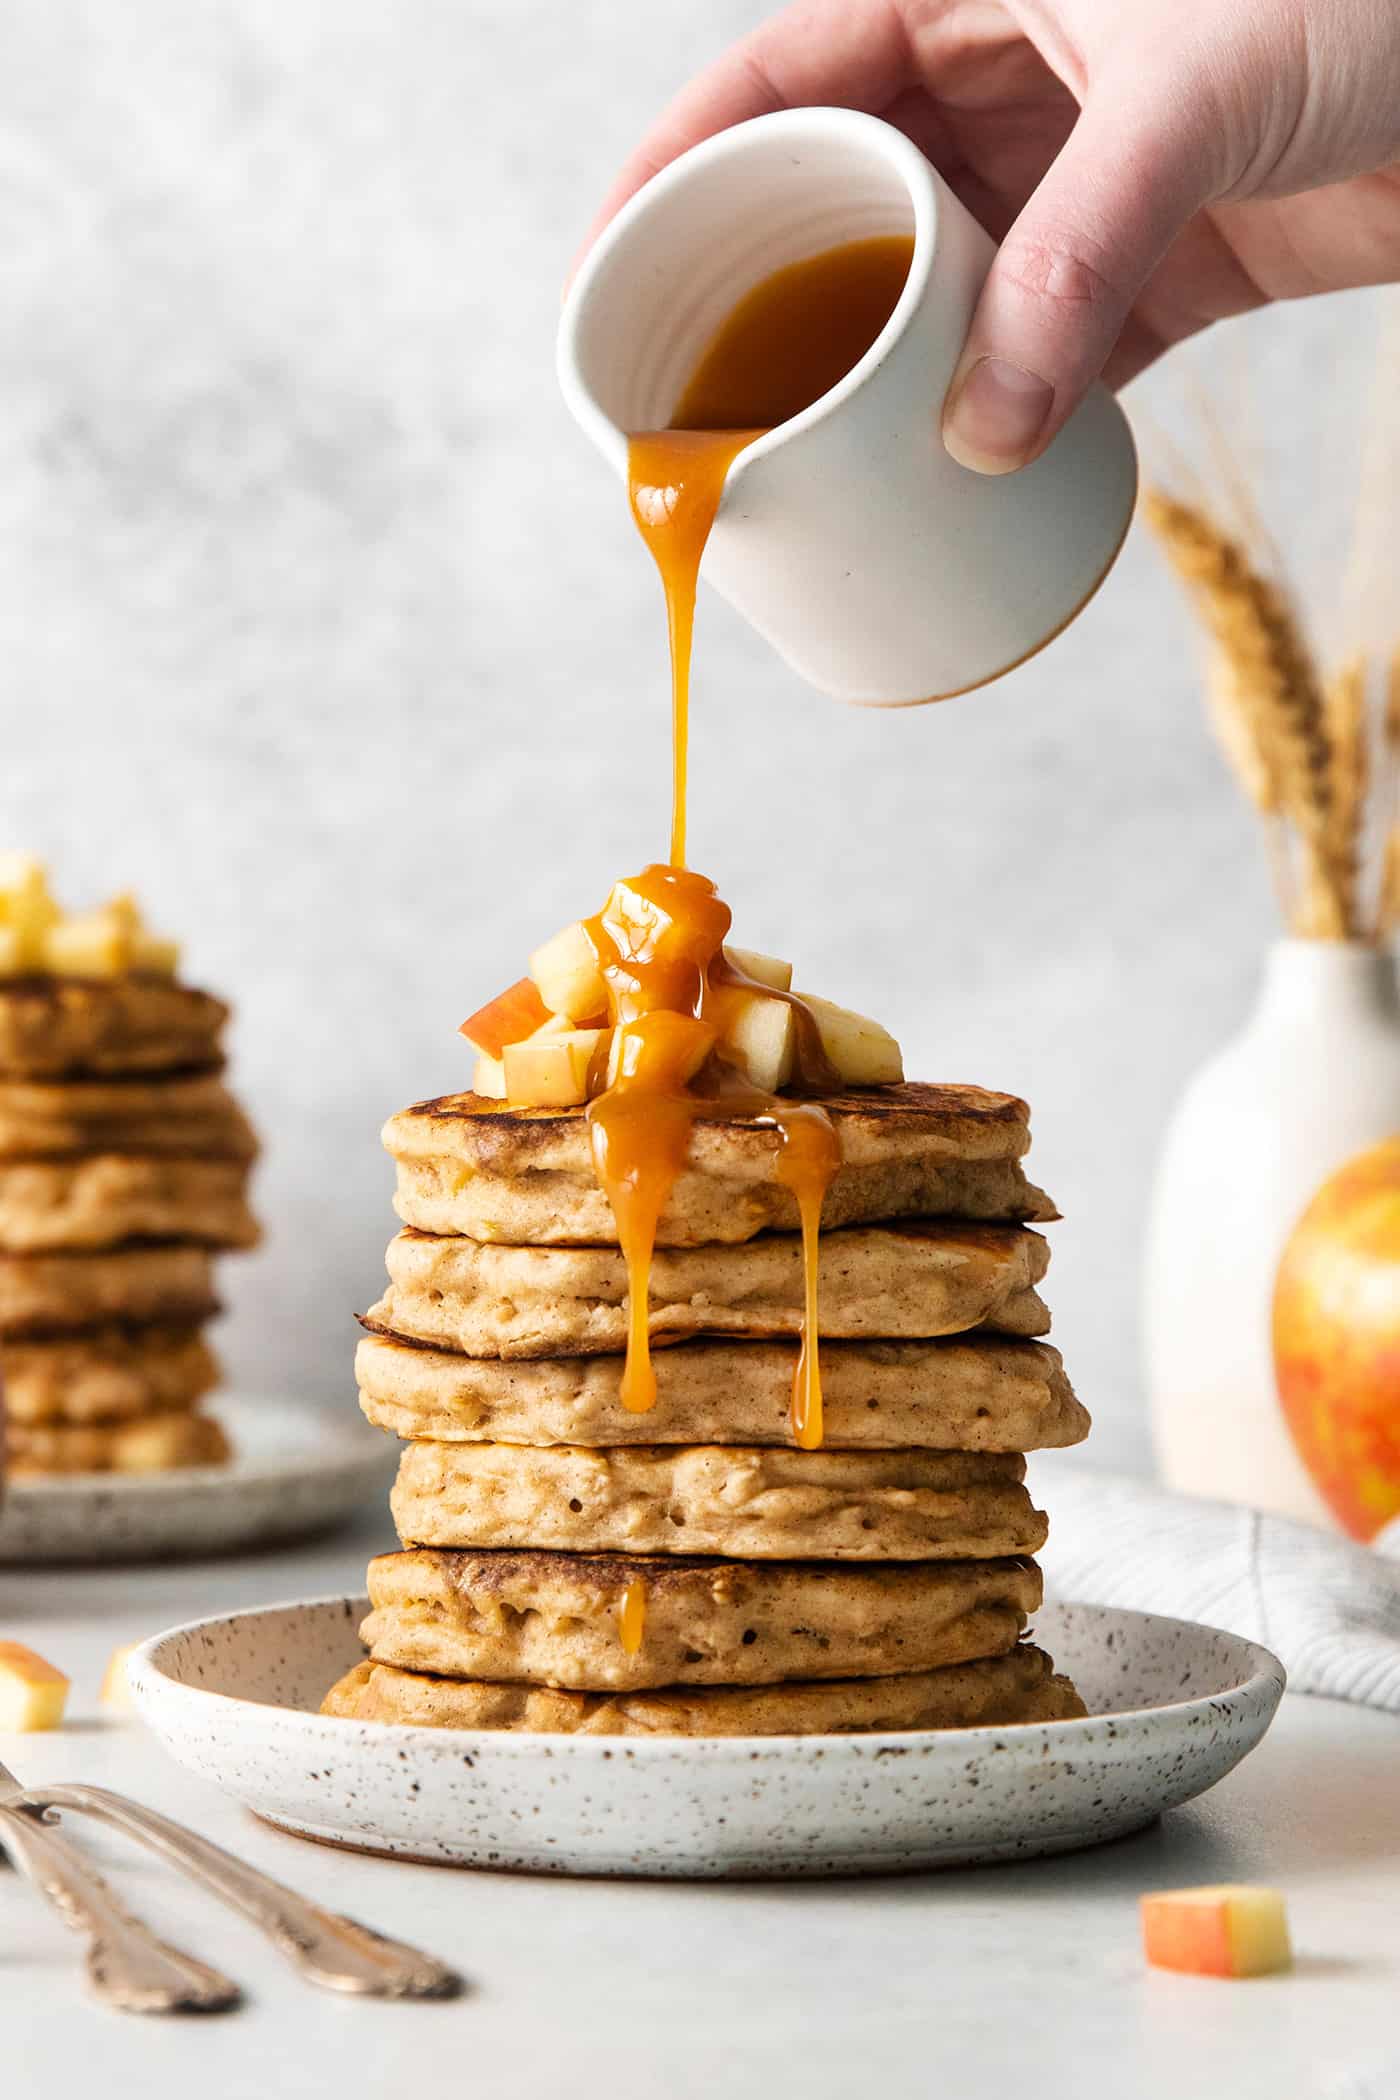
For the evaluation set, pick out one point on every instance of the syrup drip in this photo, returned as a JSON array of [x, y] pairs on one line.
[[660, 947], [632, 1616], [675, 479], [659, 941]]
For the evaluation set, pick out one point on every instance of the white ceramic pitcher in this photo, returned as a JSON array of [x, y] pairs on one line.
[[879, 568]]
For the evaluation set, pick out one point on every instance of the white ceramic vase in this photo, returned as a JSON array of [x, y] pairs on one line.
[[1313, 1078]]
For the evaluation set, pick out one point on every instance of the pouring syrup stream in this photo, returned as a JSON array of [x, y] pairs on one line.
[[659, 942]]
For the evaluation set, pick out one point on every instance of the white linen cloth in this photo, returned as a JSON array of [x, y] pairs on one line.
[[1327, 1607]]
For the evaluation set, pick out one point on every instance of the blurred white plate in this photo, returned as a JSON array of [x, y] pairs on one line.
[[295, 1471], [1173, 1708]]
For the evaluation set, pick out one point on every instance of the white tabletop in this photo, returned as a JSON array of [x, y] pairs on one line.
[[1001, 1980]]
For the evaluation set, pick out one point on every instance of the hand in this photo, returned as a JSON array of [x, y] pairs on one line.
[[1149, 166]]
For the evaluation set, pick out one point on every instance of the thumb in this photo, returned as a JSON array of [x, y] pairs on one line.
[[1064, 281]]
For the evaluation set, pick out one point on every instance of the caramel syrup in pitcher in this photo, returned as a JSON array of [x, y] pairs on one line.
[[660, 940]]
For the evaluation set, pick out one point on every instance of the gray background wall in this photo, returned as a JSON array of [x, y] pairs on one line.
[[322, 627]]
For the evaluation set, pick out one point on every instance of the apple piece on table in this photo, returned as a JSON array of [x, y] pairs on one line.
[[764, 969], [565, 973], [863, 1053], [1230, 1930], [554, 1070], [760, 1037], [116, 1683], [32, 1692], [508, 1018]]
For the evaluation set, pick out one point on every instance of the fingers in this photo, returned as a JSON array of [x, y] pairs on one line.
[[853, 53], [1064, 281]]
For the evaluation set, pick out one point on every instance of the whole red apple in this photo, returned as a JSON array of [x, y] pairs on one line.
[[1337, 1339]]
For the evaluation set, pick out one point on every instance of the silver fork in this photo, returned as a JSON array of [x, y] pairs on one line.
[[326, 1948], [128, 1966]]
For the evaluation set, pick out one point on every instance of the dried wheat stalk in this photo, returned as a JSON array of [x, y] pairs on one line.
[[1348, 777], [1270, 712]]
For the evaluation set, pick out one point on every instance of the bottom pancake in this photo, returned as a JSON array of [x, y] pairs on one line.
[[997, 1693], [149, 1444], [111, 1375], [553, 1618]]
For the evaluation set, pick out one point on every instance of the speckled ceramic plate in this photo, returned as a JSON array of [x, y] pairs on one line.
[[294, 1472], [1173, 1707]]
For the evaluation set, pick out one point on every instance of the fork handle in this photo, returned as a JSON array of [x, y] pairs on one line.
[[334, 1951], [127, 1965]]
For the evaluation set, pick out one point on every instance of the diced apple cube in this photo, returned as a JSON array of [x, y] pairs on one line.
[[32, 1692], [863, 1053], [508, 1018], [116, 1685], [1230, 1930], [20, 872], [91, 944], [764, 969], [565, 972], [489, 1078], [154, 956], [28, 908], [126, 911], [663, 1048], [760, 1037], [634, 919], [554, 1071]]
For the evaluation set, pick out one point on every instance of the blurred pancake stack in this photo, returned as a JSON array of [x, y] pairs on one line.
[[572, 1565], [124, 1163]]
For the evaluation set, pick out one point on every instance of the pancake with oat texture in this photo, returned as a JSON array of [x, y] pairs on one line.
[[977, 1392], [190, 1113], [525, 1176], [61, 1027], [56, 1294], [111, 1375], [552, 1618], [892, 1282], [105, 1198], [761, 1504], [147, 1444], [998, 1692]]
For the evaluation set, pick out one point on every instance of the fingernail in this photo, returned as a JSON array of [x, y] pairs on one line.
[[995, 416]]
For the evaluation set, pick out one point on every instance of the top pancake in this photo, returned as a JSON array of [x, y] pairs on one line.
[[524, 1176], [59, 1027]]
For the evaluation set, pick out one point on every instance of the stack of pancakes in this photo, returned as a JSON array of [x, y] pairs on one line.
[[123, 1169], [882, 1581]]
